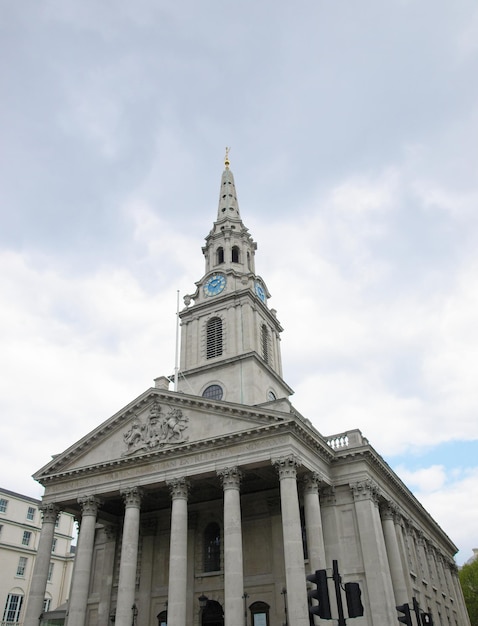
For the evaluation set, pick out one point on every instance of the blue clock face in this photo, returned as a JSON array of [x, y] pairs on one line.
[[260, 292], [214, 285]]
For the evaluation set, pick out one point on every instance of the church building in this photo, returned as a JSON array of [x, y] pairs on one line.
[[210, 504]]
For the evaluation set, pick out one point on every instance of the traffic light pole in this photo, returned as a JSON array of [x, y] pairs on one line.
[[337, 580]]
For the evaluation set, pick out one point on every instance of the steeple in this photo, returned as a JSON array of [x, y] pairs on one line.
[[228, 206], [230, 344], [229, 243]]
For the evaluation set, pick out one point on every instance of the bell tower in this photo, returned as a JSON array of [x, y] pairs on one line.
[[230, 339]]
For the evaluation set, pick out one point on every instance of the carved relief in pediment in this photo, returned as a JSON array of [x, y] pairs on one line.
[[157, 431]]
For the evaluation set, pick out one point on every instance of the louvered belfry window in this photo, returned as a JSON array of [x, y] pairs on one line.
[[214, 338], [265, 343]]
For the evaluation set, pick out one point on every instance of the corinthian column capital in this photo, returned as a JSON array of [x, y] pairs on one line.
[[132, 497], [230, 477], [287, 466], [89, 505], [365, 490], [311, 482], [49, 512], [179, 488]]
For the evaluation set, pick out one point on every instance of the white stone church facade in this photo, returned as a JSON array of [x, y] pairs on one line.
[[209, 505]]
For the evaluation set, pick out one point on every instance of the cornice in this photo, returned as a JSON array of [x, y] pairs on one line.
[[369, 455], [223, 301], [224, 362]]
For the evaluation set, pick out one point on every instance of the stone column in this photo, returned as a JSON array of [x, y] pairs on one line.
[[389, 515], [293, 548], [400, 528], [148, 533], [313, 522], [42, 563], [84, 556], [377, 570], [233, 570], [109, 547], [178, 552], [129, 556]]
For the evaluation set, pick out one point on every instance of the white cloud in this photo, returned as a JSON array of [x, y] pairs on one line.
[[449, 498]]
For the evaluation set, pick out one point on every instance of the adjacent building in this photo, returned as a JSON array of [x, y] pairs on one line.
[[209, 504], [20, 525]]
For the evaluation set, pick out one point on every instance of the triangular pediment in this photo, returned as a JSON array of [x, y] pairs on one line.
[[158, 422]]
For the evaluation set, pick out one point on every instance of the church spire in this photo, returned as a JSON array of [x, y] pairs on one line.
[[230, 339], [228, 208]]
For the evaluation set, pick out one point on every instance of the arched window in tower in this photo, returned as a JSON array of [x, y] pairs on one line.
[[214, 337], [212, 547], [265, 343], [235, 254], [248, 261], [220, 255]]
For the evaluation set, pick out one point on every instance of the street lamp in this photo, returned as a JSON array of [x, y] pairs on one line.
[[284, 593], [245, 596]]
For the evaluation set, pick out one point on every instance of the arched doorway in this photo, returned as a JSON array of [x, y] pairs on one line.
[[212, 614]]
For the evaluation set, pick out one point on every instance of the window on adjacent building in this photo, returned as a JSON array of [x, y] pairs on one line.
[[31, 513], [26, 537], [46, 604], [212, 548], [22, 566], [53, 545], [13, 606], [214, 337], [235, 256], [50, 572], [3, 505]]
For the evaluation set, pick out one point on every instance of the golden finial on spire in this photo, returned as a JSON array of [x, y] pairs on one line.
[[226, 158]]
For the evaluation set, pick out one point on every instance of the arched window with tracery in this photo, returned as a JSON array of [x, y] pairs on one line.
[[214, 337], [212, 547], [235, 254]]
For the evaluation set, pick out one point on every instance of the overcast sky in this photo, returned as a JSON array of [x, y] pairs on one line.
[[353, 129]]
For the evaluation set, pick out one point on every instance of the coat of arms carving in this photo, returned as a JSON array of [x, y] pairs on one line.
[[157, 431]]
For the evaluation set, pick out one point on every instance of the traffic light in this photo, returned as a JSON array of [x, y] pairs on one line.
[[354, 602], [406, 617], [321, 594], [427, 619]]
